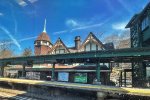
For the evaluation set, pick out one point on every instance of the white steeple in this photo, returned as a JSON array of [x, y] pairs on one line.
[[44, 30]]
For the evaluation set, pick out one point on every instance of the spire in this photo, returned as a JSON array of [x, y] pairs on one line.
[[44, 30]]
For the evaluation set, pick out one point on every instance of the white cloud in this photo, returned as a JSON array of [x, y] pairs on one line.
[[1, 14], [79, 28], [21, 40], [28, 38], [11, 37], [119, 26], [72, 23], [33, 1], [21, 3], [125, 6], [59, 32], [88, 26], [76, 25]]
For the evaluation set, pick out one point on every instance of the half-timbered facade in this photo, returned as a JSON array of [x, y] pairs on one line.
[[91, 43], [59, 48]]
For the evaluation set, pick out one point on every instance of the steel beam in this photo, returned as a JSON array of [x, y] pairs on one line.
[[53, 72], [23, 70], [125, 78], [98, 72], [2, 71], [2, 66]]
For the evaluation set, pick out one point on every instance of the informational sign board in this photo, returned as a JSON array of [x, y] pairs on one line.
[[148, 72], [63, 76], [80, 78], [33, 75]]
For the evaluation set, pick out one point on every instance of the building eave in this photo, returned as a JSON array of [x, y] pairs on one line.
[[136, 17]]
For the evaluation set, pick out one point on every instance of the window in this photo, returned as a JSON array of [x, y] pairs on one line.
[[44, 42], [57, 51], [38, 43], [91, 46], [87, 47], [60, 50], [145, 23]]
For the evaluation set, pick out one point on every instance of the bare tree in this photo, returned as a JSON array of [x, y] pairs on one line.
[[117, 38], [5, 49], [27, 52]]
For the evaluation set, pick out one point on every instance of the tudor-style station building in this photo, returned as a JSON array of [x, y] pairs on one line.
[[140, 37], [44, 46]]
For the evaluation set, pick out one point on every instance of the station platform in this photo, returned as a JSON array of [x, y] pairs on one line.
[[87, 87]]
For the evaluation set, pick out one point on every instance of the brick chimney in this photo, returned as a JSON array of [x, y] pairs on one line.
[[77, 42]]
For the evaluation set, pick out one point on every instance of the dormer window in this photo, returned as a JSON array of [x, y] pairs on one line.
[[91, 46], [38, 43], [145, 23]]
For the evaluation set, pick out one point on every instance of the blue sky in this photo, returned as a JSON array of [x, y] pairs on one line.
[[21, 21]]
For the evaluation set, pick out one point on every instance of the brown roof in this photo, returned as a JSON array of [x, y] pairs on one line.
[[43, 36]]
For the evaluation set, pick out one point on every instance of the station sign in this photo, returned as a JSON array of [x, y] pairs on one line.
[[80, 77], [63, 76]]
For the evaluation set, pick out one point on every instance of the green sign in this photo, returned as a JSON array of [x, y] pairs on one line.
[[80, 77]]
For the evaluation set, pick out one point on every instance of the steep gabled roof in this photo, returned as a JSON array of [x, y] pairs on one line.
[[58, 43], [97, 40]]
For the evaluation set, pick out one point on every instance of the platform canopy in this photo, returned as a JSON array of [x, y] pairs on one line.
[[103, 56]]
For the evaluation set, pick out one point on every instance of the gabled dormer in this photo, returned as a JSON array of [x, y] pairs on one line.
[[91, 43], [59, 48]]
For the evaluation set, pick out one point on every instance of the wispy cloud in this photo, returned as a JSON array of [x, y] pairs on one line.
[[72, 23], [28, 38], [21, 3], [1, 14], [119, 25], [125, 6], [88, 26], [11, 37], [32, 1], [79, 28], [76, 25], [59, 32], [21, 40], [14, 18]]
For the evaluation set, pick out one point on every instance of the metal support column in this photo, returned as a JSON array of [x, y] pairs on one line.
[[98, 72], [121, 78], [125, 78], [132, 65], [109, 72], [53, 72], [23, 70], [2, 70], [111, 66]]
